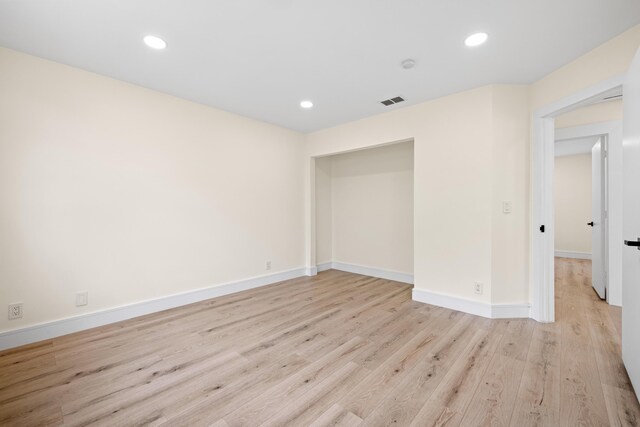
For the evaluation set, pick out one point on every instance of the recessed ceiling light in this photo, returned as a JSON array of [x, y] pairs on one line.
[[155, 42], [306, 104], [476, 39]]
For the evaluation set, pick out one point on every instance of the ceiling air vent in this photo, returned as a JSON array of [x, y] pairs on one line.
[[392, 101]]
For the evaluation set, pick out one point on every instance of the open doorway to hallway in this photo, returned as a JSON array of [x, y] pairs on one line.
[[593, 112], [581, 191]]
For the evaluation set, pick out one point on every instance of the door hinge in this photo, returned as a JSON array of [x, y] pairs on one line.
[[542, 228]]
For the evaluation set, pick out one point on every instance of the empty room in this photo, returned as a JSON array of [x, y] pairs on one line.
[[299, 213]]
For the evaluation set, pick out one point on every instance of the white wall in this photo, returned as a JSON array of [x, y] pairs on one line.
[[572, 198], [371, 208], [132, 195]]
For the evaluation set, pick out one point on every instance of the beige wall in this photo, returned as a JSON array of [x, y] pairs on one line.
[[610, 59], [510, 182], [472, 152], [572, 196], [324, 211], [469, 153], [371, 208], [131, 194]]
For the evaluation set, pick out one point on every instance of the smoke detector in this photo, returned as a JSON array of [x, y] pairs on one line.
[[408, 64]]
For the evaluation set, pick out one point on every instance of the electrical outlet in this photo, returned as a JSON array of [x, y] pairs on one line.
[[15, 311], [268, 265], [477, 288], [507, 207], [82, 298]]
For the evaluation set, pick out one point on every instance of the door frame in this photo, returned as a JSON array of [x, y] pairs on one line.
[[542, 255]]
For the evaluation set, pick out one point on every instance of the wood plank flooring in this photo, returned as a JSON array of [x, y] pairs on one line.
[[337, 349]]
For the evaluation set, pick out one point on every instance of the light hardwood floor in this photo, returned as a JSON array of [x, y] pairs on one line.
[[335, 349]]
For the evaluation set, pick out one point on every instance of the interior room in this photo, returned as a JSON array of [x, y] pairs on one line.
[[572, 187], [243, 213]]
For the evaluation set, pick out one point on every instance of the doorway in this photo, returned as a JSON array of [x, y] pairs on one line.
[[581, 203]]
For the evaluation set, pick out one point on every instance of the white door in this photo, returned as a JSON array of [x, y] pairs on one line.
[[598, 276], [631, 225]]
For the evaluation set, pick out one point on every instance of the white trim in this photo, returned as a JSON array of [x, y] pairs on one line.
[[491, 311], [310, 271], [454, 303], [542, 245], [368, 271], [580, 98], [575, 146], [574, 255], [324, 266], [510, 311], [582, 131], [56, 328]]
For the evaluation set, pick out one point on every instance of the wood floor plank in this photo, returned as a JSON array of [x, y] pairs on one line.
[[581, 395], [109, 408], [493, 401], [337, 416], [401, 403], [335, 349], [222, 398], [308, 407], [538, 399], [266, 405], [622, 406], [448, 403], [366, 395]]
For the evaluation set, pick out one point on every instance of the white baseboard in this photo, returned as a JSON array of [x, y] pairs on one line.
[[367, 271], [56, 328], [311, 271], [491, 311], [510, 311], [575, 255], [324, 266]]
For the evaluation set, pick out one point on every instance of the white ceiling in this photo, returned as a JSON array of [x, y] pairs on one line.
[[260, 58]]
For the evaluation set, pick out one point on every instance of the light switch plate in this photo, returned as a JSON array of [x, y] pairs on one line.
[[82, 298]]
